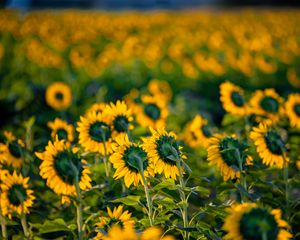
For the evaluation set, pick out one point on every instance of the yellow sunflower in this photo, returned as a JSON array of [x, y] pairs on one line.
[[269, 145], [133, 99], [151, 233], [62, 129], [16, 197], [120, 116], [12, 150], [95, 134], [160, 146], [229, 155], [152, 112], [117, 217], [250, 221], [233, 100], [56, 169], [197, 132], [292, 109], [267, 104], [160, 88], [125, 159], [59, 96], [96, 107]]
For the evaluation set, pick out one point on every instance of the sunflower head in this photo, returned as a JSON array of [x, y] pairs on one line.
[[61, 166], [130, 159], [95, 133], [16, 196], [59, 96], [292, 109], [269, 145], [96, 107], [229, 154], [164, 151], [61, 129], [160, 88], [116, 217], [249, 221], [233, 100]]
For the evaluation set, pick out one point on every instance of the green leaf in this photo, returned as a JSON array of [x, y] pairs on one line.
[[130, 200], [54, 226], [168, 183], [229, 119], [201, 190]]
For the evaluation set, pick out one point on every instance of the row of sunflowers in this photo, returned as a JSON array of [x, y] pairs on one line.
[[95, 145]]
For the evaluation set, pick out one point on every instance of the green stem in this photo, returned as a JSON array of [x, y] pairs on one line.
[[286, 182], [3, 225], [184, 201], [243, 181], [264, 235], [25, 227], [105, 161]]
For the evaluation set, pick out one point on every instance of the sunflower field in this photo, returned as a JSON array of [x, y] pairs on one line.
[[155, 125]]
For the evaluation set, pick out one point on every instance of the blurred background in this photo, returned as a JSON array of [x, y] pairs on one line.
[[141, 4]]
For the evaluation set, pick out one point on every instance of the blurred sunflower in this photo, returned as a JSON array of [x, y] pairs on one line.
[[267, 103], [269, 145], [153, 112], [162, 147], [59, 96], [121, 117], [126, 158], [249, 221], [96, 107], [133, 99], [16, 197], [57, 168], [197, 132], [160, 88], [117, 217], [62, 129], [233, 100], [95, 133], [229, 155], [292, 109], [12, 150]]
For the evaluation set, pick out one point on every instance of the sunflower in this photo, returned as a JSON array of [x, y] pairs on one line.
[[229, 154], [133, 99], [121, 117], [197, 132], [95, 134], [62, 129], [249, 221], [59, 96], [269, 145], [96, 107], [160, 88], [125, 159], [153, 112], [15, 194], [12, 150], [292, 109], [161, 148], [267, 103], [56, 168], [116, 217], [233, 100]]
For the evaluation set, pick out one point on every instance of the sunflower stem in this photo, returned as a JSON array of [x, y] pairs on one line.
[[105, 161], [3, 225], [243, 181], [24, 226], [264, 235], [286, 183], [184, 200]]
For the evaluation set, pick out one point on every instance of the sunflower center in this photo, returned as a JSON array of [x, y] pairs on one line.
[[256, 223], [17, 194], [121, 123], [274, 142], [111, 222], [232, 152], [269, 104], [297, 109], [133, 155], [62, 134], [15, 148], [152, 111], [237, 99], [206, 131], [63, 165], [168, 149], [59, 96], [100, 131]]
